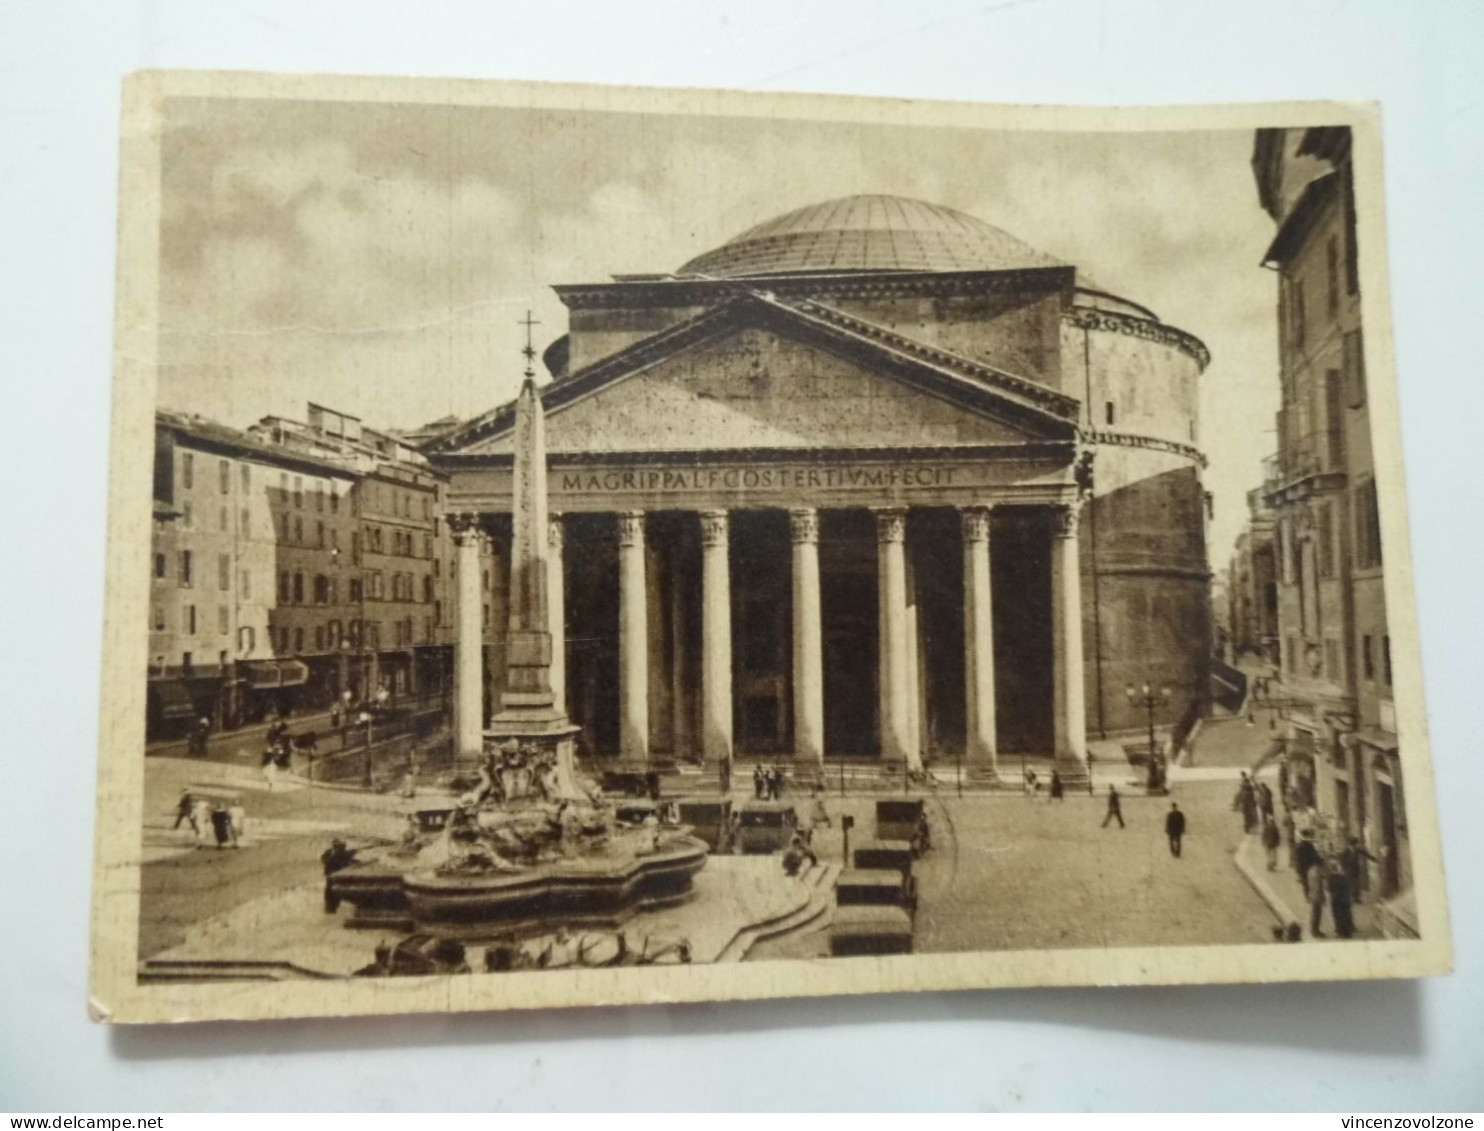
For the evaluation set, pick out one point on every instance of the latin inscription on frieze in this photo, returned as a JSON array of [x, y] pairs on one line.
[[753, 478]]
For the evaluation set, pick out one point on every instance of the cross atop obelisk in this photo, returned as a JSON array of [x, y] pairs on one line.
[[527, 693]]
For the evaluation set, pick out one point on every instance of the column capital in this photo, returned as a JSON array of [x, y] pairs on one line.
[[1064, 519], [467, 527], [891, 524], [714, 524], [975, 522], [803, 524], [631, 528], [556, 533]]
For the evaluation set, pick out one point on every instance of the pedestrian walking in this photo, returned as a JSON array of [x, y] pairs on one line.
[[1316, 899], [1352, 862], [1245, 802], [1265, 799], [1306, 857], [1174, 828], [1341, 902], [1057, 790], [1270, 841], [201, 812], [1115, 808], [239, 822], [184, 811], [759, 785], [221, 825], [335, 717], [1283, 780]]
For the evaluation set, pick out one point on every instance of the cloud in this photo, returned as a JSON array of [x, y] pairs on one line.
[[379, 257]]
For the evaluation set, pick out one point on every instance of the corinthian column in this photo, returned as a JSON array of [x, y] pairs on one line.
[[633, 638], [469, 653], [980, 746], [808, 650], [556, 608], [1066, 614], [716, 639], [897, 742]]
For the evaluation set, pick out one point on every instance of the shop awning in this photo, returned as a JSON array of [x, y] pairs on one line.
[[174, 700], [263, 674]]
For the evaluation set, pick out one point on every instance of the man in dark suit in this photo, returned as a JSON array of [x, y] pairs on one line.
[[1174, 828]]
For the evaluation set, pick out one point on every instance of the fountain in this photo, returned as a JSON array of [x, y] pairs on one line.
[[533, 846]]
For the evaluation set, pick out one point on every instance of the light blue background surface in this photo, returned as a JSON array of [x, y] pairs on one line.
[[1339, 1047]]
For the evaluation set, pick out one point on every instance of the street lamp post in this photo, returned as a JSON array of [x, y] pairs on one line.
[[1149, 697]]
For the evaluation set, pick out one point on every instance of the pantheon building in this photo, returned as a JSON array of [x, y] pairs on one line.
[[872, 480]]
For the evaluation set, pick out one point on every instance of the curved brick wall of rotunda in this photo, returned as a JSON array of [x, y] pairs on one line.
[[1145, 575]]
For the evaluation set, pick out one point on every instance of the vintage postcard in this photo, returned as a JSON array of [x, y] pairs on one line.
[[575, 546]]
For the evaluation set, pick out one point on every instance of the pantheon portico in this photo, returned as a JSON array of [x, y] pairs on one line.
[[872, 480]]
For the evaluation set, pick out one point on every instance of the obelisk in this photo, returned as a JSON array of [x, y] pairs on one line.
[[529, 712]]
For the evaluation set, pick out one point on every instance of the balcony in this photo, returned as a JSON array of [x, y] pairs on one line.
[[1306, 464]]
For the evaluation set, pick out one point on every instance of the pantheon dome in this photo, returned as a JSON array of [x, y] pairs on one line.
[[867, 233]]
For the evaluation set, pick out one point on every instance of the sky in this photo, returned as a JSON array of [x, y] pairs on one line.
[[377, 258]]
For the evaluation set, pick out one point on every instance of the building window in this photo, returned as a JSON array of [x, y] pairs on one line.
[[190, 620], [438, 612], [298, 531], [187, 516], [285, 587], [1354, 368], [1296, 312], [332, 633], [298, 640], [319, 638], [1332, 670], [298, 490], [319, 535], [186, 573], [159, 618], [1367, 525], [160, 568], [334, 539], [427, 589], [186, 663], [427, 546], [321, 589], [298, 588], [1292, 665], [486, 616], [334, 591], [355, 547], [244, 585], [1332, 276], [486, 579], [319, 496], [245, 519], [334, 498], [223, 620], [1386, 660], [1326, 541], [224, 571], [355, 591], [246, 477], [224, 476], [187, 471], [1109, 412], [221, 521], [1368, 657], [245, 639]]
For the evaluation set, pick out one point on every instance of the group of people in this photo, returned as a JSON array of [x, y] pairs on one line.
[[1333, 879], [208, 820], [768, 782]]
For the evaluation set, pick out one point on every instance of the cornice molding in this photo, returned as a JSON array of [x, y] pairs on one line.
[[683, 291], [1085, 318], [1152, 443]]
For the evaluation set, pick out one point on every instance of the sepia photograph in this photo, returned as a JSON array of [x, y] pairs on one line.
[[576, 546]]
